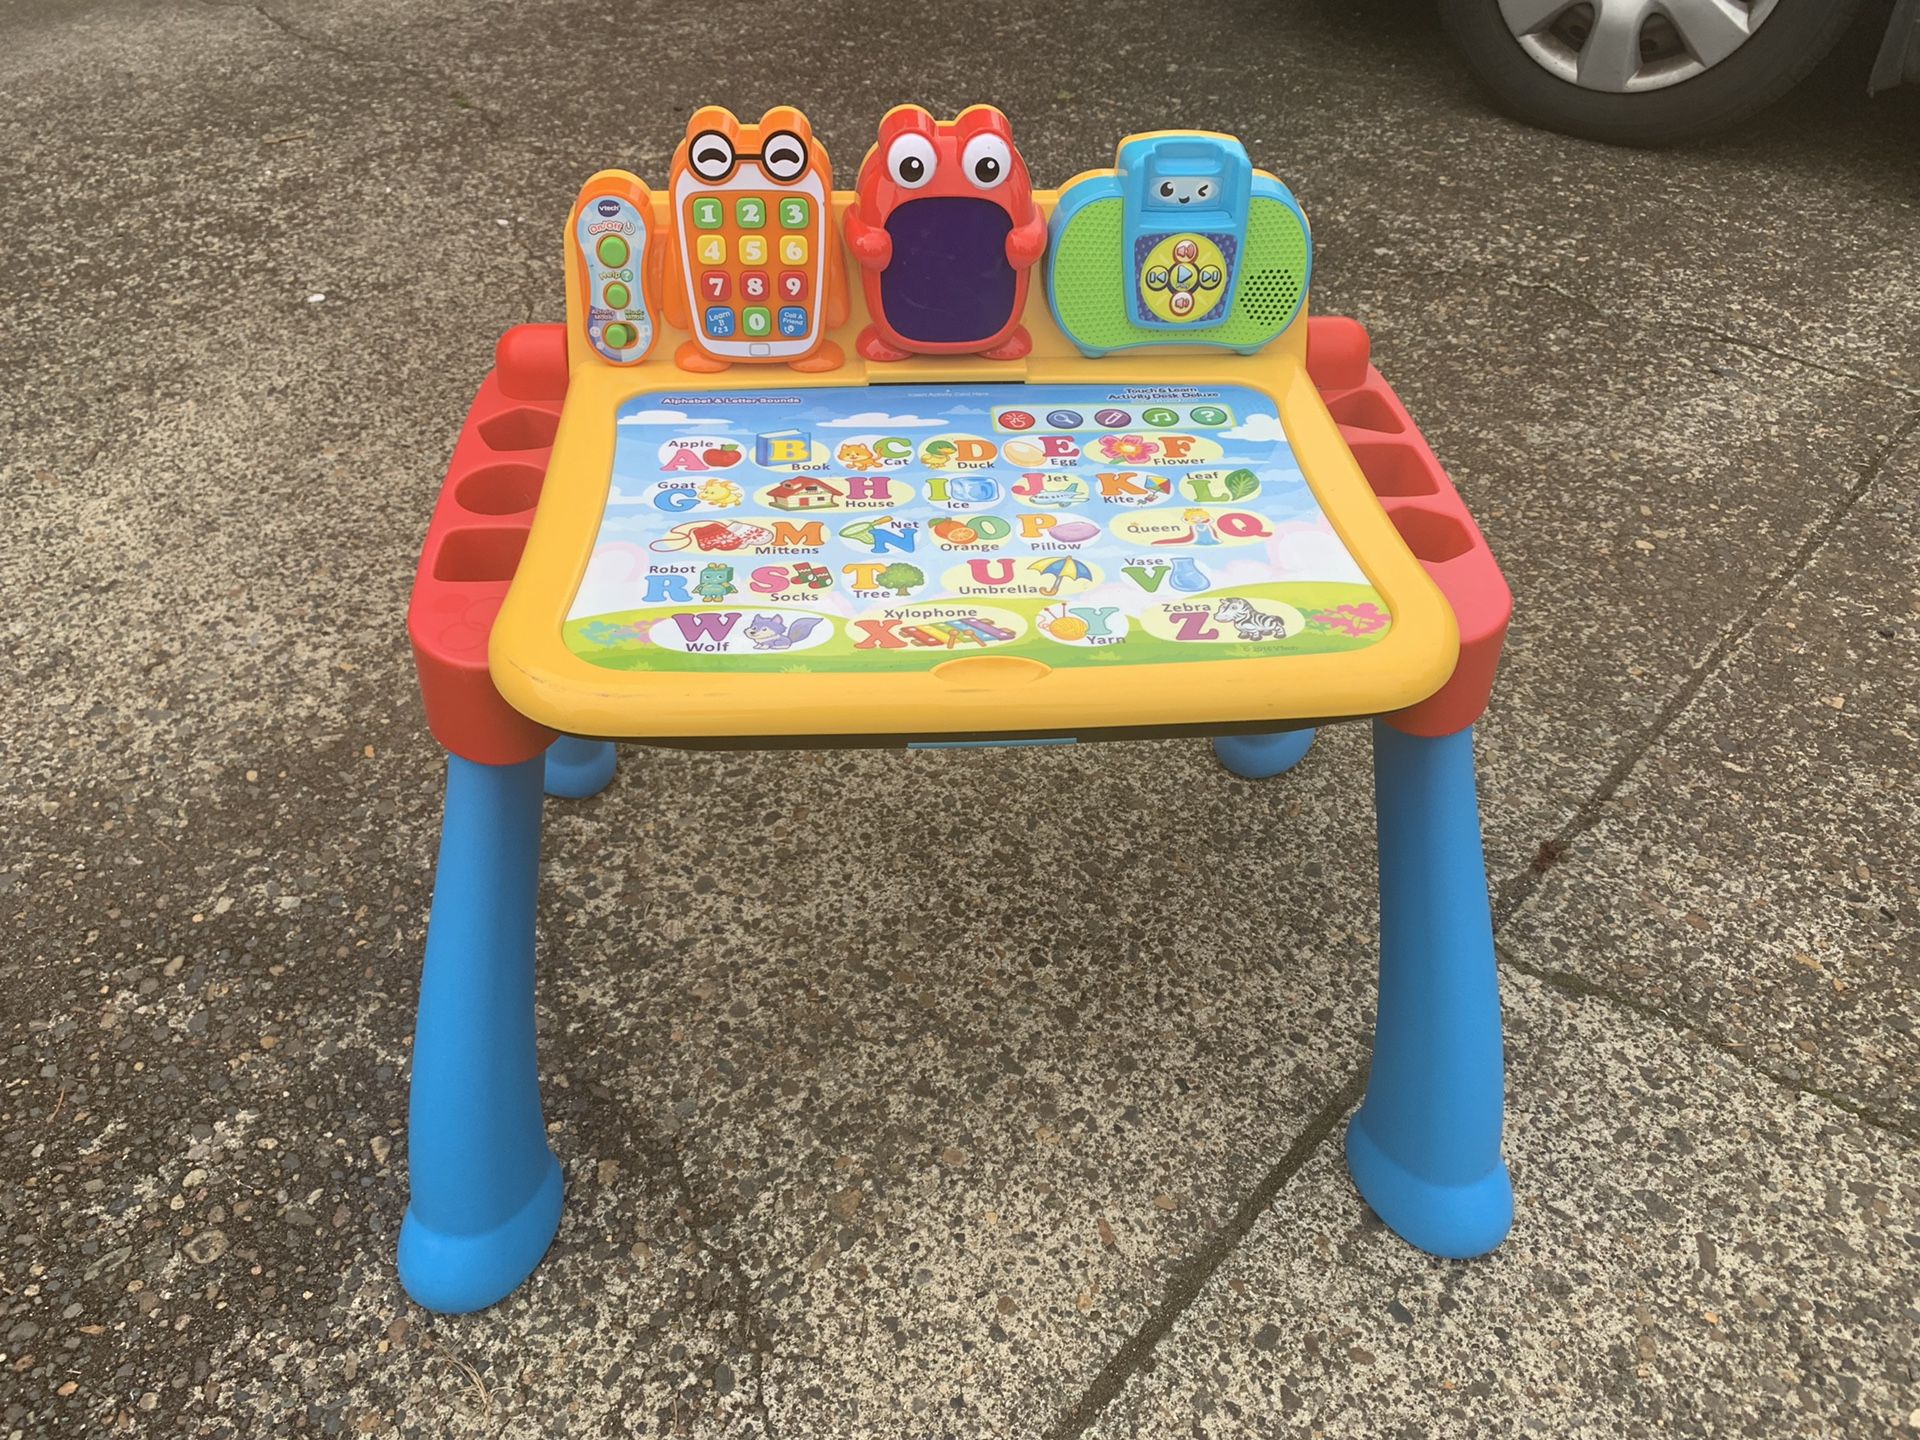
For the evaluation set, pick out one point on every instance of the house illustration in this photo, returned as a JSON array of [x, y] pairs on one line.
[[803, 492]]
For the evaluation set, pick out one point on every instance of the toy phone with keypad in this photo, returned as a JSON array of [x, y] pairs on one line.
[[1182, 242], [756, 269], [613, 291]]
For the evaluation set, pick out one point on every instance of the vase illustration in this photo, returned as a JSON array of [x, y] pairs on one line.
[[1187, 575]]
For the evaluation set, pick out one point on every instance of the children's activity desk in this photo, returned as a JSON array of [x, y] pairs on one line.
[[1063, 466]]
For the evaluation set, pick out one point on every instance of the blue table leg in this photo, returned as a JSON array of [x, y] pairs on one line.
[[1424, 1147], [1256, 757], [486, 1190], [577, 768]]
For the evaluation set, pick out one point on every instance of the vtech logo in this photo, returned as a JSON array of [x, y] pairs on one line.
[[609, 207]]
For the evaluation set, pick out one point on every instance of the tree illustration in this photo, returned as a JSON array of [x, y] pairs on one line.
[[901, 579]]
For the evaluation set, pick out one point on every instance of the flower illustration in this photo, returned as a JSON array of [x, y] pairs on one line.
[[1350, 619], [1126, 449], [608, 635]]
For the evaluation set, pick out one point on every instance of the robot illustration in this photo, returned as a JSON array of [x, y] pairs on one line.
[[755, 273], [945, 229], [1183, 242]]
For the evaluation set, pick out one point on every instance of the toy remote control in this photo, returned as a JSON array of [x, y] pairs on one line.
[[614, 267]]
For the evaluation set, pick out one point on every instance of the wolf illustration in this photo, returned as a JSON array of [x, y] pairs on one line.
[[774, 632]]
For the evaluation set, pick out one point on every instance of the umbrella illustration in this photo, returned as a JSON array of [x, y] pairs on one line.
[[1064, 568]]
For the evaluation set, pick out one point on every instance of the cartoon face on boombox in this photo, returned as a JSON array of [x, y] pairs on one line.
[[1182, 242]]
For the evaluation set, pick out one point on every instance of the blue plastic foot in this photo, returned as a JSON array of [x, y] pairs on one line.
[[486, 1190], [1258, 757], [577, 768], [1424, 1147]]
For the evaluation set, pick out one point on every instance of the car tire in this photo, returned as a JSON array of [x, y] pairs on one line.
[[1782, 49]]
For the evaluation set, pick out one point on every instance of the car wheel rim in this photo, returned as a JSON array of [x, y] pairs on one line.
[[1623, 46]]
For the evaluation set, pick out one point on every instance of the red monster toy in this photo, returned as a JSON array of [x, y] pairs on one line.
[[945, 229]]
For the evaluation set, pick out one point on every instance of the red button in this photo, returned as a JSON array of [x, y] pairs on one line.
[[793, 285], [714, 284], [753, 284]]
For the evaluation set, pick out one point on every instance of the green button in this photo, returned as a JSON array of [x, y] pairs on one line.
[[750, 211], [619, 335], [613, 250], [795, 212], [707, 213], [756, 320], [618, 296]]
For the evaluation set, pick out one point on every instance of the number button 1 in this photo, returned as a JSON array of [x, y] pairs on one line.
[[708, 214]]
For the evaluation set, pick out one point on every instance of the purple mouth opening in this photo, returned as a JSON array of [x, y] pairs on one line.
[[949, 281]]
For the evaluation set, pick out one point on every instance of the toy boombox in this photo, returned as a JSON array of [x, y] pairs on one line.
[[1182, 242]]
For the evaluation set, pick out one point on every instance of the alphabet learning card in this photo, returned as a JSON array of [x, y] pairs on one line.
[[858, 529]]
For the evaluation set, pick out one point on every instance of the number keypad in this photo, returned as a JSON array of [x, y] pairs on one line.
[[755, 270]]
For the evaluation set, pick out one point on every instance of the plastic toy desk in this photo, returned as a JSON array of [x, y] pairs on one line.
[[946, 549]]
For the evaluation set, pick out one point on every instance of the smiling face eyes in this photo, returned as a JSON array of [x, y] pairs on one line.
[[711, 155], [911, 161], [1185, 190], [784, 155], [987, 161]]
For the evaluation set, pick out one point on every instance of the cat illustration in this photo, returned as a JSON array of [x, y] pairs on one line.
[[1251, 624], [772, 632]]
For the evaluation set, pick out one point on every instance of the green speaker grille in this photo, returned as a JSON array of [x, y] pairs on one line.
[[1094, 292]]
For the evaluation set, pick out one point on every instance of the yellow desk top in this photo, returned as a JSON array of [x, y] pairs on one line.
[[957, 547]]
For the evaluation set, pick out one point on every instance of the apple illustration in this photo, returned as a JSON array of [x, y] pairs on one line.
[[722, 458]]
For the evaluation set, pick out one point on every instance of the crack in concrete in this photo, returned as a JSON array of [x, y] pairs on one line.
[[1579, 985], [748, 1335], [1511, 896], [324, 44], [1185, 1283], [311, 42], [1184, 1286], [1711, 333]]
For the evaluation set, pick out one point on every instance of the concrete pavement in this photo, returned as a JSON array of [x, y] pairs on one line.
[[847, 1155]]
